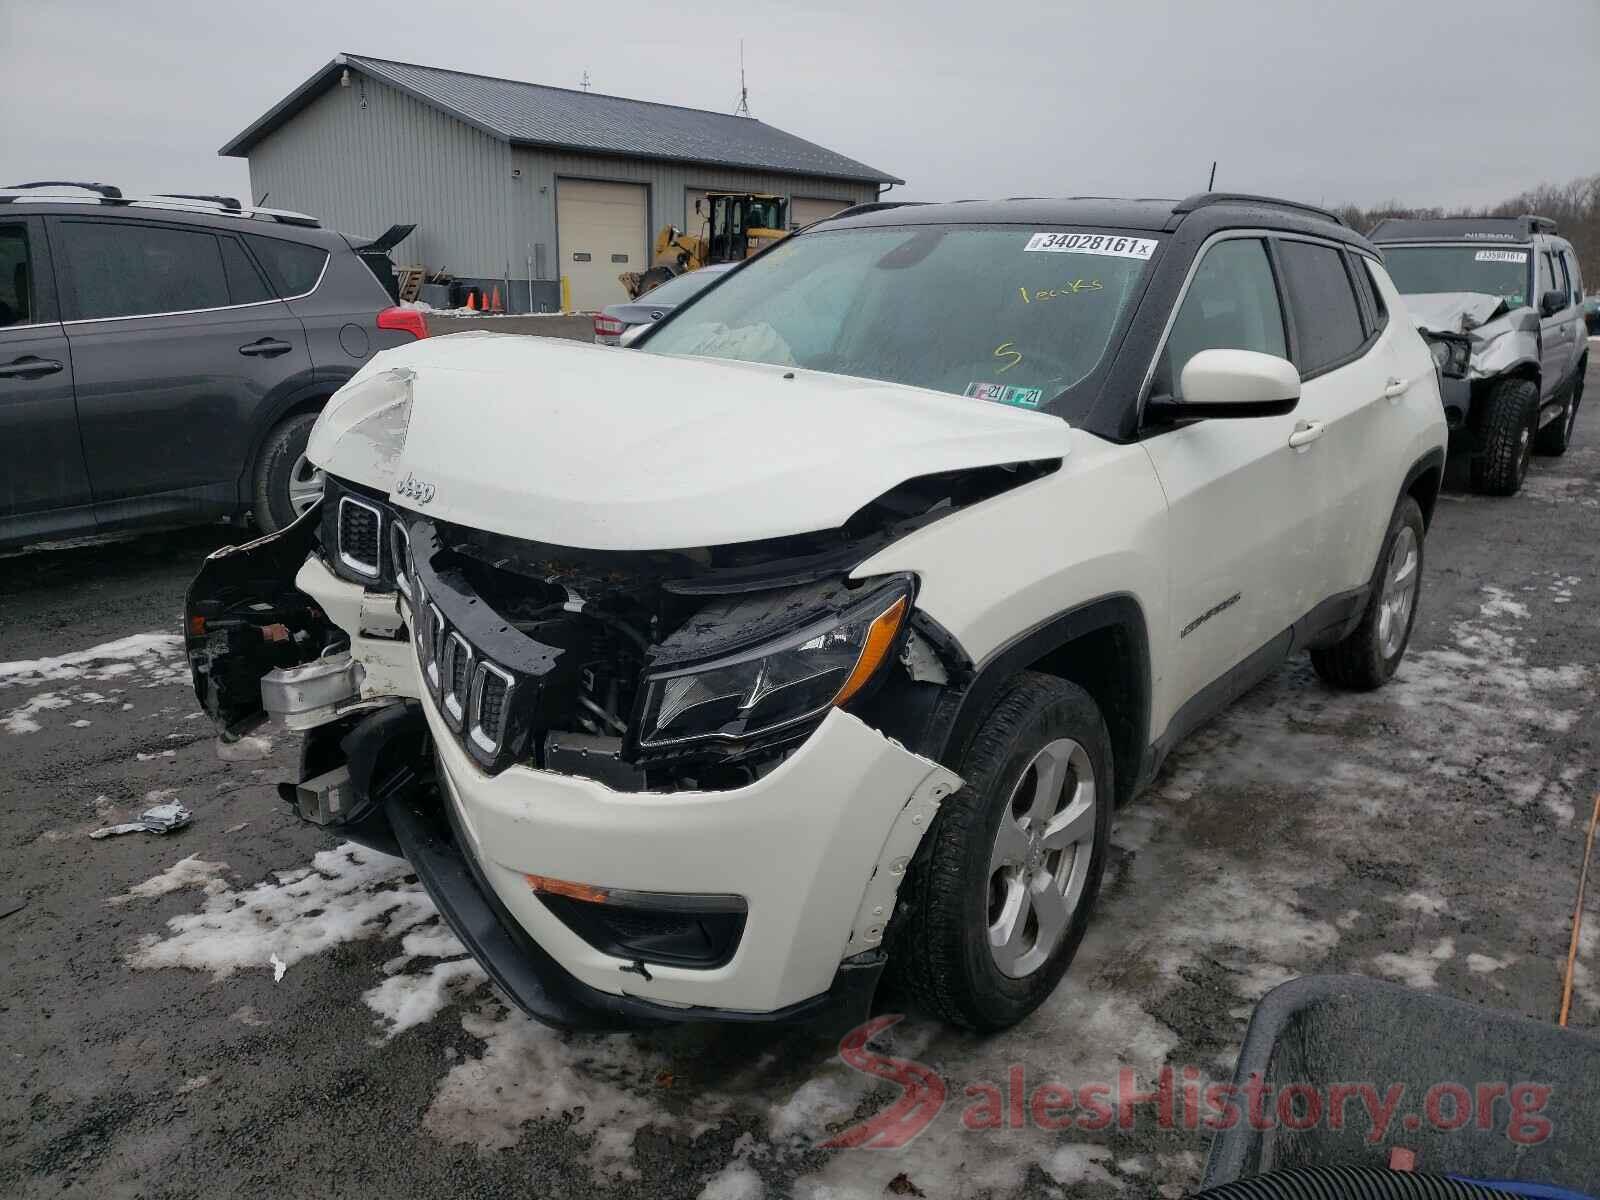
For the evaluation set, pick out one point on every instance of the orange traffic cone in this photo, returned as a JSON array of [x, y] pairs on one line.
[[472, 300], [494, 300]]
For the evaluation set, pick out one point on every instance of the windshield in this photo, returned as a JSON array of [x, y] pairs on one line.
[[676, 291], [1002, 313], [1496, 271]]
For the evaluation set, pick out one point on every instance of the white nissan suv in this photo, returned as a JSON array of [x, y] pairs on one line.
[[821, 631]]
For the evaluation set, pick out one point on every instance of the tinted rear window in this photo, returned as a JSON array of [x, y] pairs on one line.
[[292, 266], [1327, 319], [120, 269], [16, 290], [245, 284], [1368, 287]]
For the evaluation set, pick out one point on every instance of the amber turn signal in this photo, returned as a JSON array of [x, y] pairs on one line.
[[879, 638]]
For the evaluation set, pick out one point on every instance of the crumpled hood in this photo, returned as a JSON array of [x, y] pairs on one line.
[[609, 449], [1453, 312]]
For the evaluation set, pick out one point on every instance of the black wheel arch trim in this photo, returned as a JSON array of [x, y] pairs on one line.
[[956, 721], [1434, 459]]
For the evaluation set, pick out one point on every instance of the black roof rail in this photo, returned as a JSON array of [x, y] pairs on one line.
[[870, 206], [1205, 199], [105, 190], [227, 202]]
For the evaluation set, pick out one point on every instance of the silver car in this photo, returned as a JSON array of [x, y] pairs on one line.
[[612, 321]]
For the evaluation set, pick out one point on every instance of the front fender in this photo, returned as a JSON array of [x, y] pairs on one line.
[[1515, 350]]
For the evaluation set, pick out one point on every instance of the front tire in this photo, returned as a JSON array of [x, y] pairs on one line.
[[1369, 656], [993, 916], [1510, 417], [286, 483]]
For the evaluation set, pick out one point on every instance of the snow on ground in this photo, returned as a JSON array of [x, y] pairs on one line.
[[189, 872], [142, 660], [1322, 777]]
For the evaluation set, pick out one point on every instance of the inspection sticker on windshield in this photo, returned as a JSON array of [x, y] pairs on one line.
[[1002, 393], [1516, 256], [1114, 245]]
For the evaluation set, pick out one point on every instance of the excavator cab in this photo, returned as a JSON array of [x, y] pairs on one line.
[[726, 227], [742, 223]]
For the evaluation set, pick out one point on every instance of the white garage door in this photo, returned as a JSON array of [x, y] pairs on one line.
[[600, 228], [803, 209]]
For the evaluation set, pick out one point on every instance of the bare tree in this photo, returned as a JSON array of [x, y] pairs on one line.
[[1574, 206]]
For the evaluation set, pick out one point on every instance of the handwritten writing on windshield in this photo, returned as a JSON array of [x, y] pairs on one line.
[[1007, 350], [1075, 288]]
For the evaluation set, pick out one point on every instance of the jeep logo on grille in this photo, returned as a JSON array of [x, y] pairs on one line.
[[412, 488]]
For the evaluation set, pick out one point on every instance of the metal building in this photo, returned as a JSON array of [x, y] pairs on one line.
[[517, 184]]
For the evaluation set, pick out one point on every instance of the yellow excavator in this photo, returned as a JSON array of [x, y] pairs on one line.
[[733, 225]]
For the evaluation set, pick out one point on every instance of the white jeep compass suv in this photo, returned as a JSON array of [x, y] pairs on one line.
[[822, 630]]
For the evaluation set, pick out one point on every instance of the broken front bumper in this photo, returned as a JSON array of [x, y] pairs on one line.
[[816, 849]]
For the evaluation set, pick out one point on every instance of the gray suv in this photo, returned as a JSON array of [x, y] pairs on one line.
[[163, 358], [1500, 302]]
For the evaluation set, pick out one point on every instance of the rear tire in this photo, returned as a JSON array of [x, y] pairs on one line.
[[286, 483], [1506, 442], [1042, 749], [1369, 656], [1555, 437]]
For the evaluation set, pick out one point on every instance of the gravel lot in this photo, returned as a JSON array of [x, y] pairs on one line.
[[1430, 833]]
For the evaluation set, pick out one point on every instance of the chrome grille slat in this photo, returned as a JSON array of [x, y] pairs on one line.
[[456, 675], [436, 636], [491, 696], [400, 554]]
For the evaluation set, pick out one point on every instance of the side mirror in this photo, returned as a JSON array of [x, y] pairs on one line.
[[1230, 383], [1551, 303], [632, 333]]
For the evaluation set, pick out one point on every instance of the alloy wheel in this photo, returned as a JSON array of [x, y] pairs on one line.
[[305, 485], [1399, 591], [1040, 859]]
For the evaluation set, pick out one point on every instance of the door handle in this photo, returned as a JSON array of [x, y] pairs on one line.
[[1396, 388], [266, 348], [29, 367], [1305, 433]]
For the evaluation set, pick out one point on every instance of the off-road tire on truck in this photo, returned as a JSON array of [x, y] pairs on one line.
[[940, 954], [1367, 658], [1505, 440], [1555, 437], [281, 456]]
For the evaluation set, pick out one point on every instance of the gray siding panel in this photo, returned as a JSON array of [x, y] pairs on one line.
[[361, 170], [399, 160]]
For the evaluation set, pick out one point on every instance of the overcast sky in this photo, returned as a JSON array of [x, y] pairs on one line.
[[1320, 100]]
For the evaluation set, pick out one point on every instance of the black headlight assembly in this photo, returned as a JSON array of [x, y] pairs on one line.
[[764, 668], [1451, 355]]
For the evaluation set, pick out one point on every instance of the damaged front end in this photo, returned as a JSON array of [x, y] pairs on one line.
[[1476, 339], [244, 618], [665, 721]]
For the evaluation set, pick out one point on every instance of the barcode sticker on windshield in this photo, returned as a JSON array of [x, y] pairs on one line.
[[1115, 245], [1515, 256]]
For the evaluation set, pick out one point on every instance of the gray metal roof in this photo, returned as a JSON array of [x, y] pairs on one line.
[[531, 114]]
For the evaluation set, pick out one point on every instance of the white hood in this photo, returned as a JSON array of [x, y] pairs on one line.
[[609, 449]]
